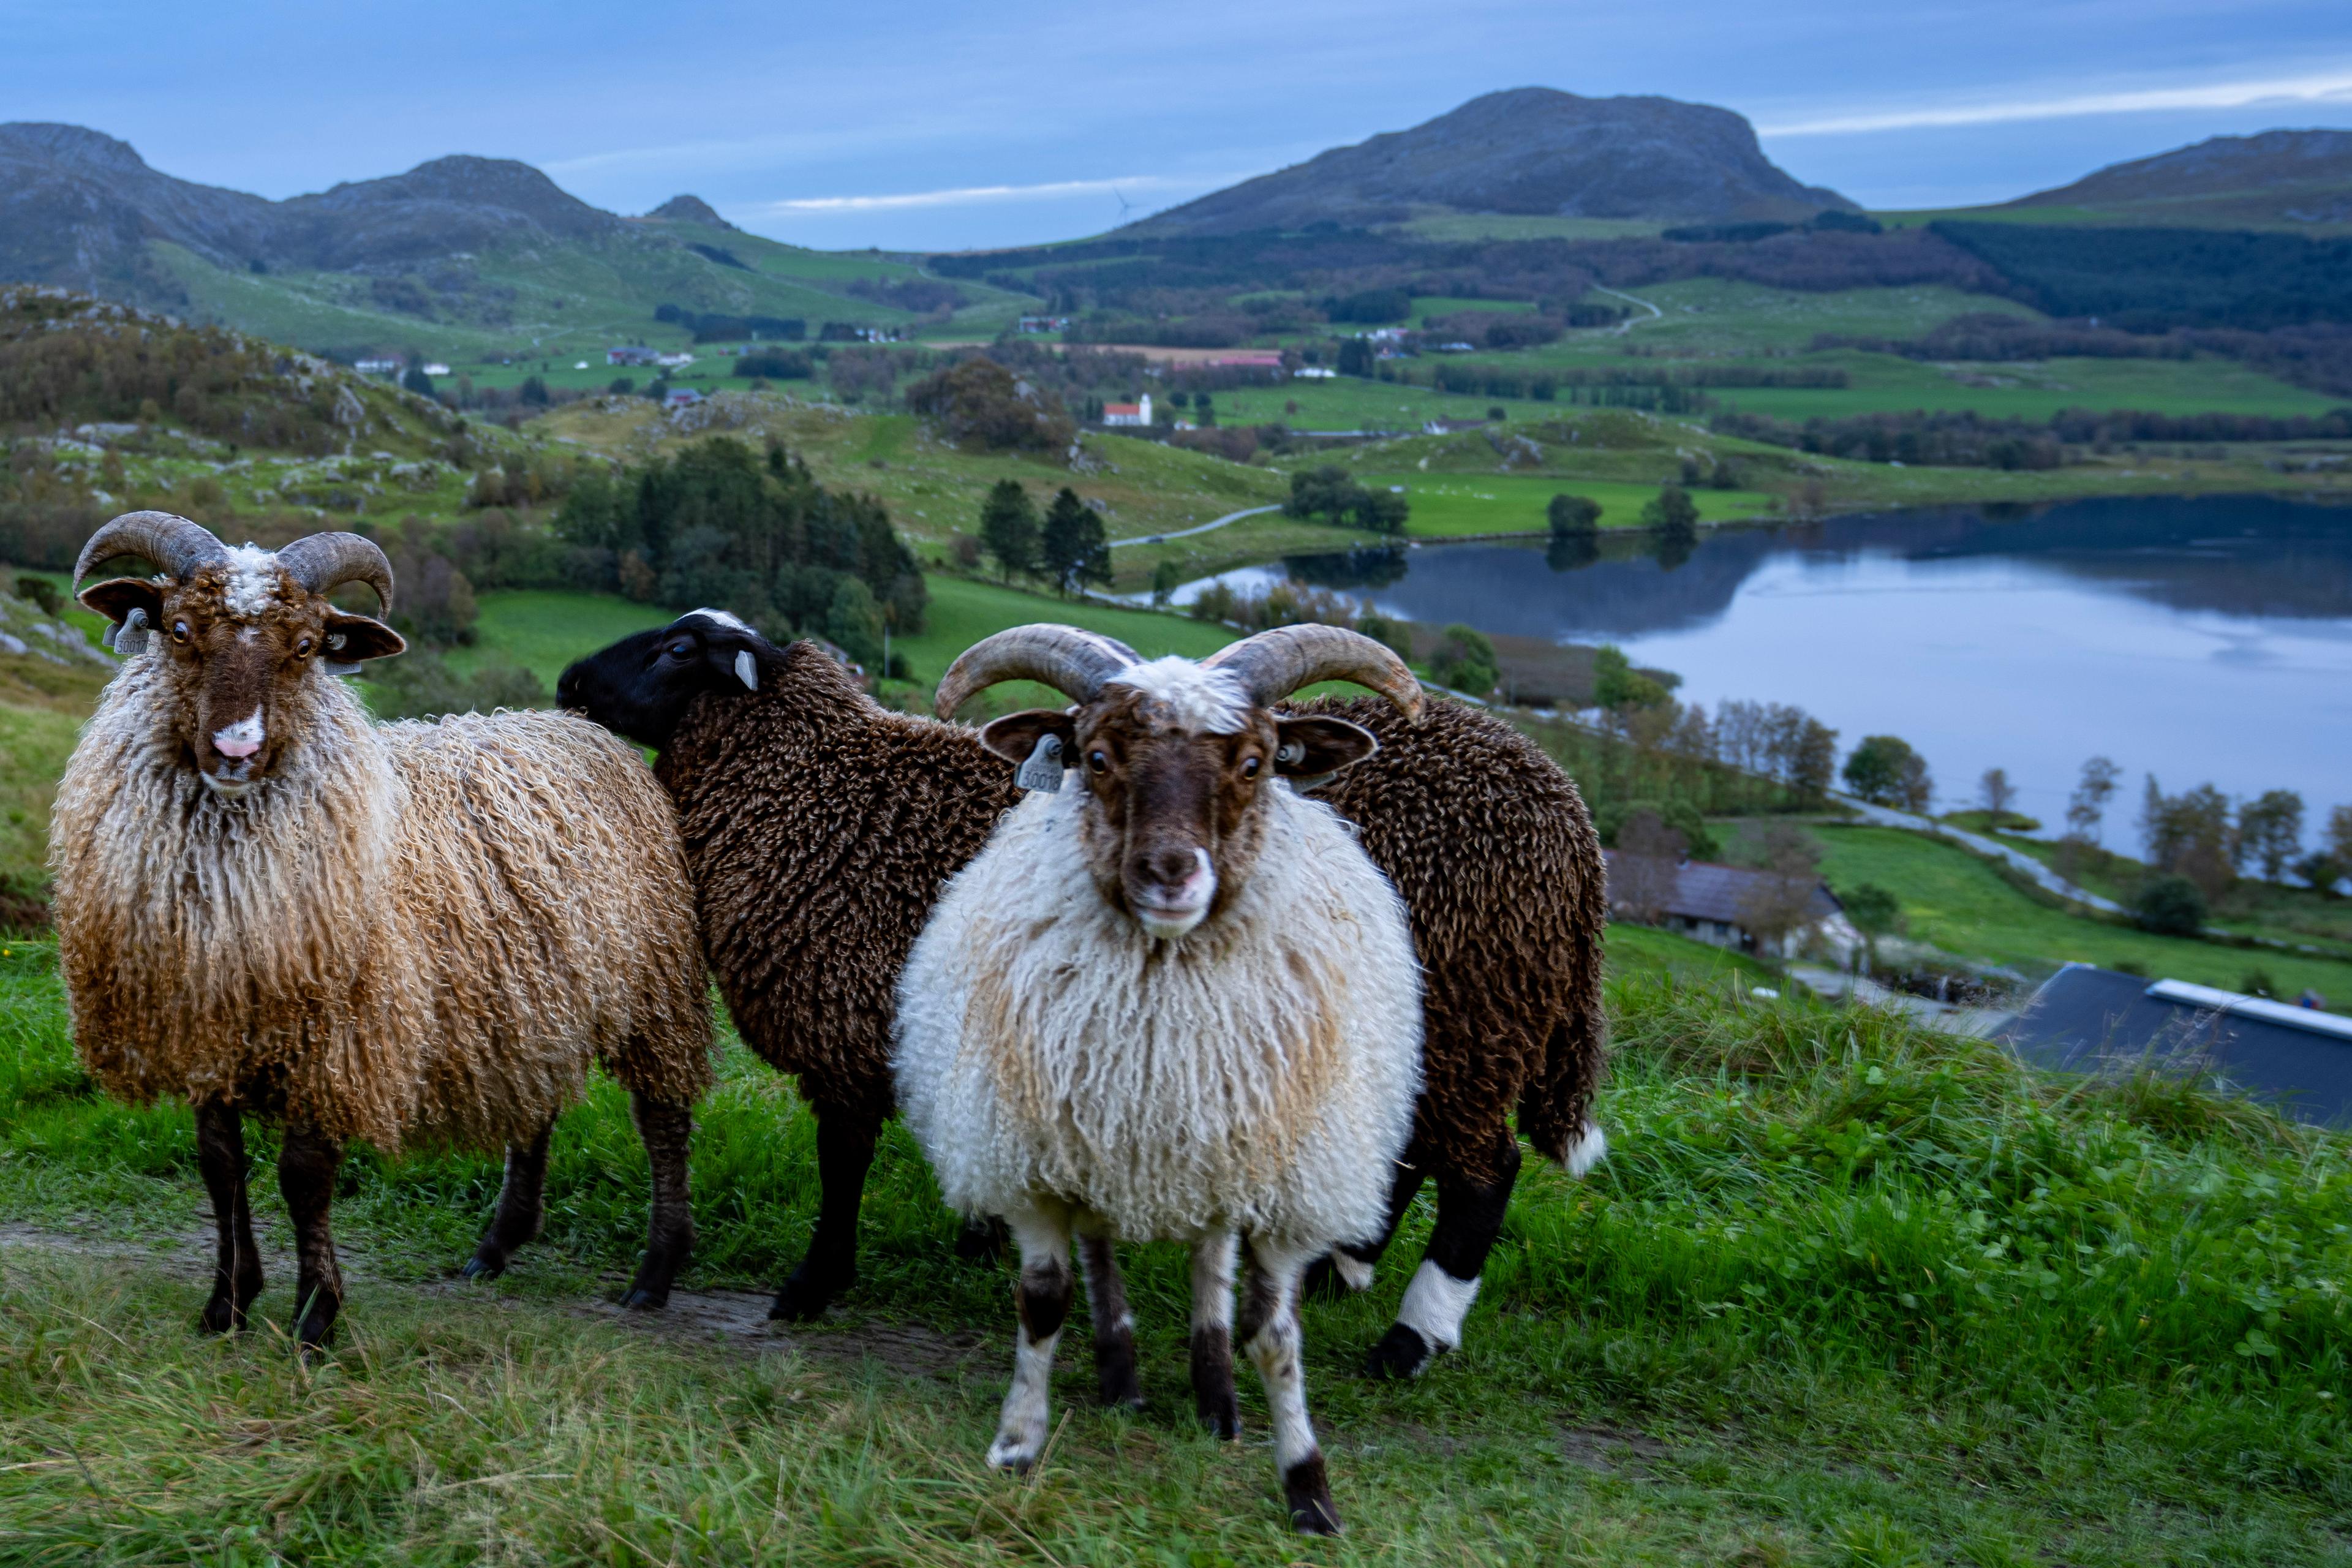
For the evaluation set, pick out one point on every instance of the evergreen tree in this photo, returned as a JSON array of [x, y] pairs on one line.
[[1008, 528], [1073, 549]]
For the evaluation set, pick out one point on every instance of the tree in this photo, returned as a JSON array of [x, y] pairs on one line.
[[1642, 875], [1008, 528], [1997, 794], [1673, 513], [2171, 905], [1573, 517], [1381, 511], [1166, 578], [1464, 660], [1617, 685], [2087, 807], [418, 381], [1781, 899], [853, 623], [2269, 831], [1874, 912], [1355, 357], [2191, 833], [1812, 761], [1071, 548], [981, 406], [1884, 771], [1394, 635]]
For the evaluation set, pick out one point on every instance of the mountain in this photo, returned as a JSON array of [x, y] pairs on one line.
[[1531, 150], [691, 209], [2279, 177], [468, 258]]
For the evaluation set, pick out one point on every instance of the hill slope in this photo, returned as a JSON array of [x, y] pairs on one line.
[[2302, 177], [1531, 150]]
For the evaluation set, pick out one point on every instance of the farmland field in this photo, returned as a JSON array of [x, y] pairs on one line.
[[1454, 507]]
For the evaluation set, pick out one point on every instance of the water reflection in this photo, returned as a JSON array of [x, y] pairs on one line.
[[2194, 638]]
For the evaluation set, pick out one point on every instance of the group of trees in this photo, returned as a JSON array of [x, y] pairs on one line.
[[1331, 493], [1066, 548], [983, 407], [719, 524], [1884, 771]]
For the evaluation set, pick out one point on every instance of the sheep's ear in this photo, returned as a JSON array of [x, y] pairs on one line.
[[350, 639], [1015, 737], [1316, 747], [115, 600]]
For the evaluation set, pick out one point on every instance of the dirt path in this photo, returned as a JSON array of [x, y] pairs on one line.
[[735, 1319], [1204, 528]]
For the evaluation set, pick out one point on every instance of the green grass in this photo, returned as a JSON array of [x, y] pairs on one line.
[[1454, 507], [2252, 907], [1447, 305], [1457, 227], [1958, 903], [1844, 1292], [543, 630]]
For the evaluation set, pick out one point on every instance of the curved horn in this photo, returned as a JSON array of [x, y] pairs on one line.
[[174, 543], [1073, 662], [1274, 664], [325, 562]]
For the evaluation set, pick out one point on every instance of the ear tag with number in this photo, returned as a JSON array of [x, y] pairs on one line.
[[130, 638], [1043, 771], [747, 670]]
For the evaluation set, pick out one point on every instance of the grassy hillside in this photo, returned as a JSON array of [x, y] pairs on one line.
[[1843, 1292]]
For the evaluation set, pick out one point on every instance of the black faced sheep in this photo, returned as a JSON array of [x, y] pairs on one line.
[[820, 828], [1177, 1002], [266, 904]]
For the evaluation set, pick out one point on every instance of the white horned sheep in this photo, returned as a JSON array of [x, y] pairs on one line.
[[1175, 1002], [267, 904]]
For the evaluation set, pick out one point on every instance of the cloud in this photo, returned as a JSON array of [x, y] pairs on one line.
[[971, 195], [2333, 88]]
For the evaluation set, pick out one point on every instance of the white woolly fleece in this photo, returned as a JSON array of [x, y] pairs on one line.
[[1201, 699], [1259, 1073], [254, 579]]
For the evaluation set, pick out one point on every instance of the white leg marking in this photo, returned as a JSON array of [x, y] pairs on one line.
[[1277, 1350], [1212, 1280], [1435, 1303], [1353, 1271], [1589, 1150], [1044, 1239]]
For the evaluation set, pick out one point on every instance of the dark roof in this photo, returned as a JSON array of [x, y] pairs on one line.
[[2082, 1019], [1706, 891]]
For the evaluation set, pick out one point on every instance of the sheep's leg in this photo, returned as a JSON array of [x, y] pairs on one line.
[[306, 1164], [1043, 1301], [1212, 1334], [667, 1130], [1114, 1324], [521, 1207], [1270, 1331], [1469, 1217], [236, 1268], [845, 1150], [1350, 1267], [982, 1239]]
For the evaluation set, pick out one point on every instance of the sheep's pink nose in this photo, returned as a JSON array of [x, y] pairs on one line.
[[240, 740], [239, 749]]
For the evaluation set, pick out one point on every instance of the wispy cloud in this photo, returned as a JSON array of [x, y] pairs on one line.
[[2332, 87], [971, 195]]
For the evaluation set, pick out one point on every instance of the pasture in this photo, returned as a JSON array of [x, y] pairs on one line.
[[1844, 1292], [1455, 506]]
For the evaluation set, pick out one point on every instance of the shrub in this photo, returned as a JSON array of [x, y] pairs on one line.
[[1464, 660], [2170, 904], [1573, 517], [979, 405]]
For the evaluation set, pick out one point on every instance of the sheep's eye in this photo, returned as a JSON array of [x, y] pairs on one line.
[[179, 631], [1249, 768], [1098, 762], [302, 649], [681, 648]]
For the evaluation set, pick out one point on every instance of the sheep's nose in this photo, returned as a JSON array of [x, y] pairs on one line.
[[239, 750], [1170, 867]]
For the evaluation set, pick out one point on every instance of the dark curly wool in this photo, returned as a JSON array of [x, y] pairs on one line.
[[819, 829], [1490, 846]]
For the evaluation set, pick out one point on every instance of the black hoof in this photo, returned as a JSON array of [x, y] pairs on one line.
[[1402, 1353], [221, 1316], [1222, 1418], [1307, 1490], [646, 1299], [480, 1266], [805, 1297], [314, 1338]]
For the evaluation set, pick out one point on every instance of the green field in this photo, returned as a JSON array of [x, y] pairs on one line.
[[2252, 908], [1455, 507], [1958, 903], [1844, 1292]]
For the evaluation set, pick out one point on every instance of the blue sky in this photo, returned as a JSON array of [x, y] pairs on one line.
[[927, 125]]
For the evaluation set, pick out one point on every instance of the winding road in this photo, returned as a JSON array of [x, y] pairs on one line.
[[1622, 328], [1885, 817], [1188, 532]]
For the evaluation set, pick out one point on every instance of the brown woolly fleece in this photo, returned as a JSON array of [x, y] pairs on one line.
[[411, 932], [1489, 844], [820, 828]]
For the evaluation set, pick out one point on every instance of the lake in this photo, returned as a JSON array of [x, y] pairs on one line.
[[2204, 640]]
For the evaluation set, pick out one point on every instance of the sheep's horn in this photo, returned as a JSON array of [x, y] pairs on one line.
[[174, 543], [325, 562], [1073, 662], [1274, 664]]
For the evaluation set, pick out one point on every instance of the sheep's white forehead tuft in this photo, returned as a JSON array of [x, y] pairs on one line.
[[253, 578], [723, 619], [1200, 698]]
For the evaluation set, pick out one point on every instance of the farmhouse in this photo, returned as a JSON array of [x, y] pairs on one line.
[[1314, 373], [1718, 905], [674, 361], [681, 397], [434, 367], [629, 354], [380, 364], [1045, 323], [1137, 413], [2083, 1018]]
